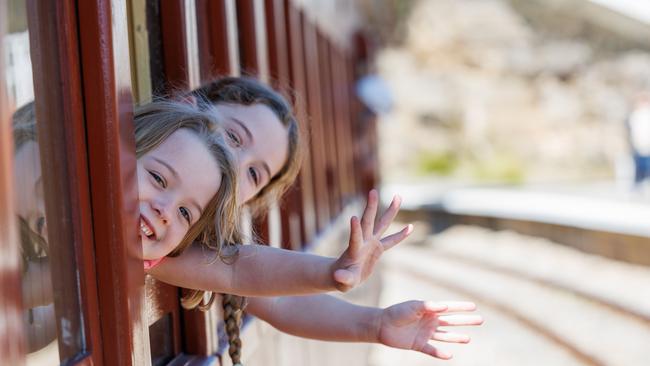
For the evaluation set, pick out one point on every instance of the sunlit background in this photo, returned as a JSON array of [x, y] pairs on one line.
[[518, 134], [510, 129]]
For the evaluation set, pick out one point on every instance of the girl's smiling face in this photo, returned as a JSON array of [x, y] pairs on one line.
[[176, 181]]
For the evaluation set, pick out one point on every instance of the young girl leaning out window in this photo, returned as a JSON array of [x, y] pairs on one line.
[[175, 143], [246, 105], [264, 137]]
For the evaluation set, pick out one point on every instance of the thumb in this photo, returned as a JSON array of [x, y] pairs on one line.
[[344, 276]]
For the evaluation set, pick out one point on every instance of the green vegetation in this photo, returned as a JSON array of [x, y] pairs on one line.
[[497, 168], [502, 168], [438, 163]]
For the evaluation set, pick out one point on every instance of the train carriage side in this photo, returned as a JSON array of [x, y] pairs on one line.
[[72, 72]]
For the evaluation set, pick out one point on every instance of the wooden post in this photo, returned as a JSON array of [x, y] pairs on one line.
[[299, 84], [108, 108], [314, 98]]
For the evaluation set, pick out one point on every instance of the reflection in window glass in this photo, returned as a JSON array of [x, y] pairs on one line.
[[18, 65], [44, 318], [39, 316]]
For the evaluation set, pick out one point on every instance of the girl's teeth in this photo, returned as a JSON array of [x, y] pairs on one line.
[[145, 229]]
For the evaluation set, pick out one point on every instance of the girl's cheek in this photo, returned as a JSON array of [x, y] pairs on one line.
[[144, 185], [174, 241]]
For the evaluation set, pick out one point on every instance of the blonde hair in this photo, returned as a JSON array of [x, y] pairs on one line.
[[24, 125], [218, 227], [248, 91], [33, 245]]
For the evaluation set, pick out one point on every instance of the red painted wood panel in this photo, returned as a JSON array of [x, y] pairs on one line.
[[249, 57], [354, 125], [318, 137], [172, 24], [329, 126], [292, 222], [213, 34], [299, 85], [108, 112], [277, 45], [341, 94]]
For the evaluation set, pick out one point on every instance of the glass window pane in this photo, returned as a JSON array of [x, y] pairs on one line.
[[50, 293]]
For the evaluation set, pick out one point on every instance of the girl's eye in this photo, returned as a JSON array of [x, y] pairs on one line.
[[254, 176], [234, 138], [160, 180], [186, 214], [40, 224]]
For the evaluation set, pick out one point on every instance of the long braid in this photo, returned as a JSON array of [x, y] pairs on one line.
[[232, 310]]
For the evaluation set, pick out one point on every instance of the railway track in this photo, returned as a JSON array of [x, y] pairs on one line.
[[546, 303]]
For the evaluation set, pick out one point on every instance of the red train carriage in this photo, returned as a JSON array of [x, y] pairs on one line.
[[85, 64]]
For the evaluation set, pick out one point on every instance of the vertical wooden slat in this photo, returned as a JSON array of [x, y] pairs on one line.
[[329, 126], [248, 53], [354, 126], [277, 45], [297, 71], [233, 37], [139, 47], [218, 38], [191, 41], [314, 98], [252, 40], [350, 116], [172, 24], [341, 90], [214, 37], [365, 123], [12, 342], [180, 44], [280, 78], [108, 102]]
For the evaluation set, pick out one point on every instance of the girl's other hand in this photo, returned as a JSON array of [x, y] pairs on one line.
[[366, 244], [412, 325]]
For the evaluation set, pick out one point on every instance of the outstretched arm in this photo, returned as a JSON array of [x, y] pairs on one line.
[[265, 271], [411, 325], [258, 271]]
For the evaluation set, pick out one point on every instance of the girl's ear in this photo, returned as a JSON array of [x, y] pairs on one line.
[[189, 99]]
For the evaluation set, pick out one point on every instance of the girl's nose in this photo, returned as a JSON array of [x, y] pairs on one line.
[[161, 209]]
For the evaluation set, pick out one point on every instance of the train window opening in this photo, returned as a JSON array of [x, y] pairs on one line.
[[161, 341], [156, 59], [140, 25]]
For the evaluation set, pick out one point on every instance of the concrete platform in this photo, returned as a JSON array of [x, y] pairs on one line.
[[593, 207], [543, 303]]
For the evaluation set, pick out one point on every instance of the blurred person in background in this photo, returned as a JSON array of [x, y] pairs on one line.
[[638, 127]]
